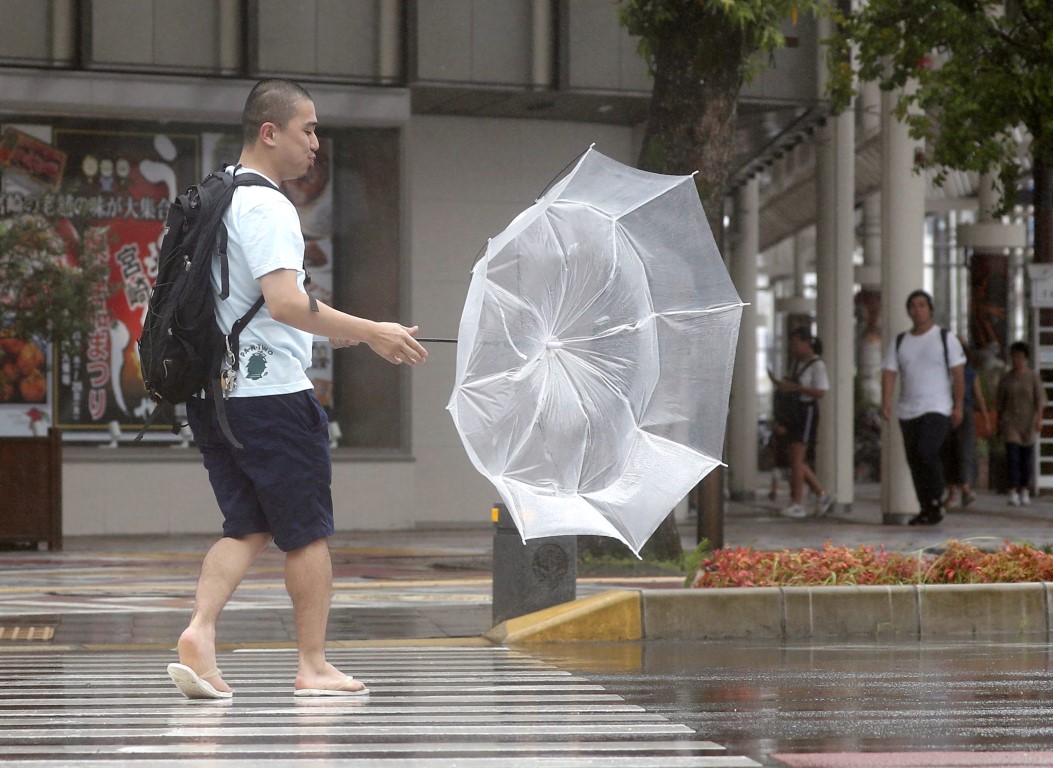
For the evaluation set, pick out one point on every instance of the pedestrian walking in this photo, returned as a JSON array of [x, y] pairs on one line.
[[277, 488], [960, 449], [929, 363], [1019, 403], [801, 391]]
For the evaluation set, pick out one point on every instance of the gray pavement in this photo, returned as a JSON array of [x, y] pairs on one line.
[[988, 521], [85, 634]]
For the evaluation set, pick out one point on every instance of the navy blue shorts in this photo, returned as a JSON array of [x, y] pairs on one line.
[[279, 483]]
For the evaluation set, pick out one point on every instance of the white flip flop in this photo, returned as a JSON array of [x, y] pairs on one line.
[[331, 691], [193, 685]]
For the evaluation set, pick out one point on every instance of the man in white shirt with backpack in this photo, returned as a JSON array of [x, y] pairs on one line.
[[277, 486], [930, 364]]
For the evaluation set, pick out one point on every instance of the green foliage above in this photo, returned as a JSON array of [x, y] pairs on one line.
[[755, 26], [43, 294], [974, 72]]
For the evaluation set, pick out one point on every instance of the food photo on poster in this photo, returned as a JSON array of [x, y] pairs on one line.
[[99, 198]]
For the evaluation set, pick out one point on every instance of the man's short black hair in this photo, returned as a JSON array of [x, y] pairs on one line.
[[270, 101], [916, 294]]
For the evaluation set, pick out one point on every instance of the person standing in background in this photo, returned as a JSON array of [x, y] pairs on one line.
[[1020, 401], [960, 448], [807, 383], [929, 363]]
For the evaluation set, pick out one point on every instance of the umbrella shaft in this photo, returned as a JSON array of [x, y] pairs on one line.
[[439, 341]]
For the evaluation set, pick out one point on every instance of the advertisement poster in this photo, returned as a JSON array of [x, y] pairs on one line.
[[115, 194], [107, 193]]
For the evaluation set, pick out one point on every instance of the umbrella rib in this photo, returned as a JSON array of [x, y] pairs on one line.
[[654, 316], [679, 180], [504, 319]]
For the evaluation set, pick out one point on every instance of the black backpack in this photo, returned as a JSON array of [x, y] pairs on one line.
[[181, 350]]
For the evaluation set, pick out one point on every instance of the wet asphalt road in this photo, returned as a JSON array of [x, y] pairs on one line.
[[761, 699]]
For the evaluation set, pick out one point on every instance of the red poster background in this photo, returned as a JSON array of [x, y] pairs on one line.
[[115, 193]]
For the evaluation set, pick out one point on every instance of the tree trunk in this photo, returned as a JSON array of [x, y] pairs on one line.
[[691, 127], [691, 122]]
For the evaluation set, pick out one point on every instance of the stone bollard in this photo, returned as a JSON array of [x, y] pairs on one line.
[[529, 577]]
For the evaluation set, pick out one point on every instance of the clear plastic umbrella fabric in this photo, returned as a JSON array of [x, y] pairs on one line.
[[595, 354]]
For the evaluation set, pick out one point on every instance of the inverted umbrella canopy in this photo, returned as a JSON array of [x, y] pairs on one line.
[[595, 354]]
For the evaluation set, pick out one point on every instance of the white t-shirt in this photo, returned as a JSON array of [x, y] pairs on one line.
[[925, 380], [813, 377], [263, 231]]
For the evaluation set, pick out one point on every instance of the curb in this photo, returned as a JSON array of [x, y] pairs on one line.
[[903, 612], [607, 617]]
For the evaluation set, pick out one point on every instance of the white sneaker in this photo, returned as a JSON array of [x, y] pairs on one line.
[[1014, 499], [824, 505], [794, 510], [1025, 498]]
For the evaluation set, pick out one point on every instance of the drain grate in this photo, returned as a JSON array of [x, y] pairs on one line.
[[27, 633]]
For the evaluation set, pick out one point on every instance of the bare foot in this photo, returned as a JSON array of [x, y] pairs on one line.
[[329, 678], [198, 651]]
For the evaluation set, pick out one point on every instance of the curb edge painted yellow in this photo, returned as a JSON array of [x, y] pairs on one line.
[[607, 617]]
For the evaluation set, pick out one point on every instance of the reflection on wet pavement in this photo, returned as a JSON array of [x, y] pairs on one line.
[[760, 698]]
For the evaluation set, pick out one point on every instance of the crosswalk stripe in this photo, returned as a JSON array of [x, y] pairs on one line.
[[475, 707]]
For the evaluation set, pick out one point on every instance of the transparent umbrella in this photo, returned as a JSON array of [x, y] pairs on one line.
[[595, 354]]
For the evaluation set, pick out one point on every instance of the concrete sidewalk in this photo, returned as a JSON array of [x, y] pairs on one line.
[[988, 521], [436, 583]]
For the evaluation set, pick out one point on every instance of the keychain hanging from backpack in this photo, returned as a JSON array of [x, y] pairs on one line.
[[228, 378]]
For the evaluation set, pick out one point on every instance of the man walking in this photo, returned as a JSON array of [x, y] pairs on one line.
[[278, 486], [930, 363]]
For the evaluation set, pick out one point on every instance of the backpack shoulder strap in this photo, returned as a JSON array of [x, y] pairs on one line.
[[943, 339], [798, 373], [250, 179]]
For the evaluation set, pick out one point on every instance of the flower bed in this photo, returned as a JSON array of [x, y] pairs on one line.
[[959, 563]]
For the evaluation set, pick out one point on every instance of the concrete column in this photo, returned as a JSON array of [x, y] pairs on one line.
[[943, 284], [229, 32], [871, 241], [834, 247], [389, 41], [64, 26], [742, 418], [795, 311], [868, 303], [902, 244], [987, 197], [543, 54], [869, 109], [800, 262]]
